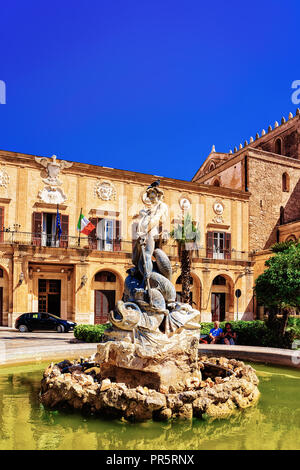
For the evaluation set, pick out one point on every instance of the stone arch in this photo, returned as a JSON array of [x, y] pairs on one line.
[[278, 146], [196, 289], [4, 295], [217, 182], [222, 297], [285, 182], [107, 291], [291, 238]]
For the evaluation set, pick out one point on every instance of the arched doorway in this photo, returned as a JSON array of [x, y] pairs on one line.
[[222, 298], [195, 291], [4, 297], [105, 284], [1, 295]]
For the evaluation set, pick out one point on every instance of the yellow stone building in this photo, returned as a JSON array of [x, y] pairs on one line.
[[81, 278]]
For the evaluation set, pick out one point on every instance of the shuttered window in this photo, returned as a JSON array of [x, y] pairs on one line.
[[1, 224], [65, 231], [92, 235], [36, 228], [218, 245], [117, 234], [209, 244]]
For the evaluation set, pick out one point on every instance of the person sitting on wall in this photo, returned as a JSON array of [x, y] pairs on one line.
[[215, 333], [229, 336]]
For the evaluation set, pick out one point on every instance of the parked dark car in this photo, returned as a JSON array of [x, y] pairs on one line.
[[43, 321]]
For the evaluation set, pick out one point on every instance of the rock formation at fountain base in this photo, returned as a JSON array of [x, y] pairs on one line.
[[226, 386], [167, 369]]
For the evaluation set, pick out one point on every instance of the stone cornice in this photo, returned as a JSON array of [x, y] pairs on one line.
[[131, 177]]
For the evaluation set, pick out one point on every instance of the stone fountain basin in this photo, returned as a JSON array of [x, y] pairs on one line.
[[226, 386]]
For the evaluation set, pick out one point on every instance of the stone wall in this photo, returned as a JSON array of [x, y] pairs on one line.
[[231, 177], [267, 197]]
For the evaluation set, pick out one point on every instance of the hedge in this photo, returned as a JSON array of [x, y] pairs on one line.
[[249, 333], [90, 333], [257, 333]]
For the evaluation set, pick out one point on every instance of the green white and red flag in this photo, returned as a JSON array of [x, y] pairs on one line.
[[84, 225]]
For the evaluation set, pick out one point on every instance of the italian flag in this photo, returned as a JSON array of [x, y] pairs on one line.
[[84, 225]]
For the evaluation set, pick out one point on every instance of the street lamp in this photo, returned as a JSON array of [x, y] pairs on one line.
[[84, 280], [21, 278]]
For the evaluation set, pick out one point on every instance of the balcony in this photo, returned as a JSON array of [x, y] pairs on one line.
[[41, 240]]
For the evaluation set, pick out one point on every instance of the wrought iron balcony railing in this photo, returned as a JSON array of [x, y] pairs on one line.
[[115, 245]]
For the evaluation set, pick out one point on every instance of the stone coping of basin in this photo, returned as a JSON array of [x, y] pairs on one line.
[[276, 356]]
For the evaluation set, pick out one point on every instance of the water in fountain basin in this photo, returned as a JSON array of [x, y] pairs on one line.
[[24, 423]]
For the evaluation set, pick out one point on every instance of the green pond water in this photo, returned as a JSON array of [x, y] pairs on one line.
[[24, 423]]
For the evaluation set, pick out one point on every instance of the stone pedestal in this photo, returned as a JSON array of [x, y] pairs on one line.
[[170, 369]]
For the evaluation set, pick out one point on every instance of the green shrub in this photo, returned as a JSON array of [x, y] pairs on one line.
[[257, 333], [279, 247], [294, 326], [90, 333], [249, 333]]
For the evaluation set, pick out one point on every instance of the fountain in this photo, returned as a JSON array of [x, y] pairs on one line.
[[148, 365]]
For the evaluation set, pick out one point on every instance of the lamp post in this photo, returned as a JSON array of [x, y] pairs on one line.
[[84, 279]]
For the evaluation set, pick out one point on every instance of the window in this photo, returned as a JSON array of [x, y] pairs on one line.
[[218, 245], [105, 276], [44, 231], [1, 272], [278, 147], [219, 281], [106, 236], [216, 182], [285, 183]]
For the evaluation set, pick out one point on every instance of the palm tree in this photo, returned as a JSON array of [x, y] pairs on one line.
[[187, 235]]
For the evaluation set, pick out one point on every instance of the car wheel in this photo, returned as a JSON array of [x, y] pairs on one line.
[[60, 329], [23, 329]]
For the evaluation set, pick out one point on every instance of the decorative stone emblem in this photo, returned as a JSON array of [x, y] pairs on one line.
[[218, 209], [51, 194], [105, 190], [185, 203], [53, 169], [4, 178]]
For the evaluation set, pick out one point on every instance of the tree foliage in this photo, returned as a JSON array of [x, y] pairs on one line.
[[279, 285], [187, 235]]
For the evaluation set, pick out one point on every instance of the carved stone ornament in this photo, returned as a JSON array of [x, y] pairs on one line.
[[218, 219], [218, 208], [4, 178], [52, 195], [105, 190], [53, 169], [184, 203]]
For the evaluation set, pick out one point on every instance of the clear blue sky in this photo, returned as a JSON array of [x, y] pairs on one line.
[[144, 85]]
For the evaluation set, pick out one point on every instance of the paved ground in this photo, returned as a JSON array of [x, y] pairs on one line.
[[14, 339], [18, 347]]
